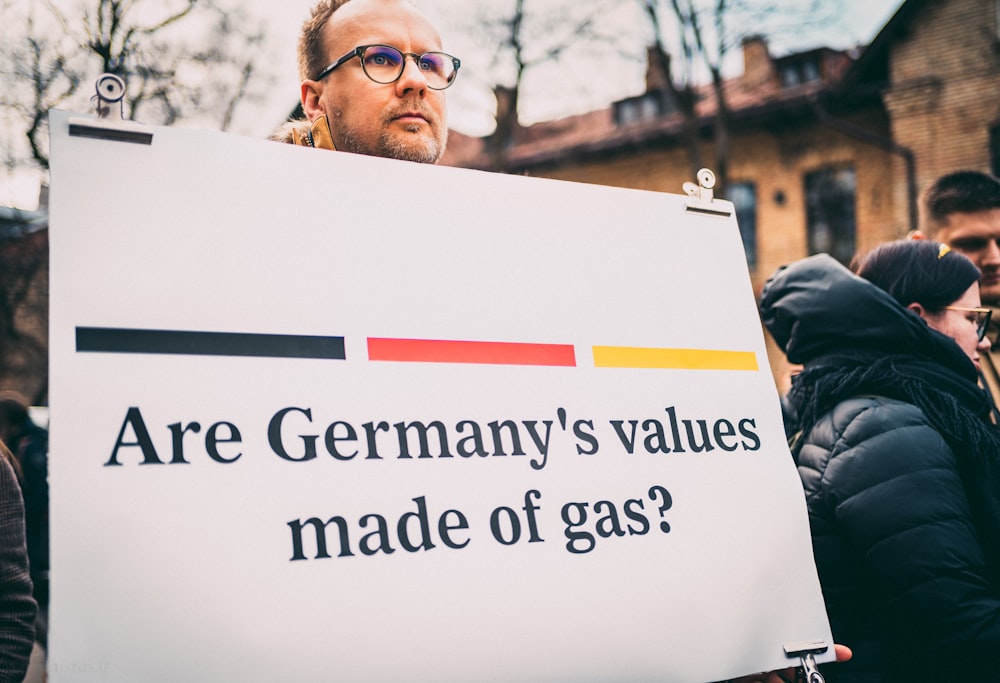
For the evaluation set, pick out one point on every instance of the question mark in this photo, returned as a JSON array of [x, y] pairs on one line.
[[664, 506]]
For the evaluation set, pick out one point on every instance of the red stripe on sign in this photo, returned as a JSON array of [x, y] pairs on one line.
[[490, 353]]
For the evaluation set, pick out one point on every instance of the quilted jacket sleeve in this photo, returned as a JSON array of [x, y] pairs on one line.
[[893, 535]]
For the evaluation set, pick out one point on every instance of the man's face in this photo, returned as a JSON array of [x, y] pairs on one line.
[[400, 120], [977, 235]]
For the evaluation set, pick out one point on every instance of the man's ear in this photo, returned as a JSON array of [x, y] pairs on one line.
[[310, 92], [918, 309]]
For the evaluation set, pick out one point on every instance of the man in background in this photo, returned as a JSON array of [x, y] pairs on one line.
[[962, 210]]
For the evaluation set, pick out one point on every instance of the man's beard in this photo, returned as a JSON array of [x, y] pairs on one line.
[[396, 146]]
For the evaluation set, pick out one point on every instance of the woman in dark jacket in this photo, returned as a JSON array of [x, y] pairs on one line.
[[900, 464]]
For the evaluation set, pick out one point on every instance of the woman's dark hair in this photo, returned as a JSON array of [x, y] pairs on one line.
[[919, 271]]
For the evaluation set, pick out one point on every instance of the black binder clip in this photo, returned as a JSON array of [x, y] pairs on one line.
[[806, 653], [703, 196]]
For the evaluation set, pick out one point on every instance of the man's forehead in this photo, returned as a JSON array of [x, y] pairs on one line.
[[392, 22], [973, 224]]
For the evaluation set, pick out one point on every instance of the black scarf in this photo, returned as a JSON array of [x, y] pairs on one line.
[[954, 406]]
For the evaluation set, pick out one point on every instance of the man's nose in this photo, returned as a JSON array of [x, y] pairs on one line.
[[984, 344], [412, 80], [991, 254]]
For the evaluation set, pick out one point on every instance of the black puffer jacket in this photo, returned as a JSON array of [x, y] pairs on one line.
[[905, 550]]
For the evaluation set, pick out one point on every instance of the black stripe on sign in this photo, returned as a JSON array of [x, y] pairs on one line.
[[118, 340]]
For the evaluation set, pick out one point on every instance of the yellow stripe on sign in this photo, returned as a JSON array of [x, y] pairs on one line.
[[673, 359]]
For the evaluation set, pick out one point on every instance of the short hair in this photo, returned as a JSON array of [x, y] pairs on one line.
[[959, 192], [919, 271], [312, 50]]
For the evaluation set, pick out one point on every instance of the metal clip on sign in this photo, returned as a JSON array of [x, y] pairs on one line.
[[703, 195], [806, 652], [110, 92], [110, 124]]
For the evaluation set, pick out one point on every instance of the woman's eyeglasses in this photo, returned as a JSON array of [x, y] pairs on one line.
[[982, 319]]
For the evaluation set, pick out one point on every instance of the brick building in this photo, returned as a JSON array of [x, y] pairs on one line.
[[828, 150], [938, 65]]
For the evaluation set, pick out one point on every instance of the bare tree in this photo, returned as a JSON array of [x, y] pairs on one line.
[[692, 38], [527, 39], [678, 93], [180, 59]]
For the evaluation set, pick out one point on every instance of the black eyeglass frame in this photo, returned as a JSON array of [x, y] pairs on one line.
[[359, 52], [981, 326]]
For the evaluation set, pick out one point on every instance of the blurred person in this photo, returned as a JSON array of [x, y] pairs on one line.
[[17, 606], [30, 445], [962, 209], [373, 79], [899, 461]]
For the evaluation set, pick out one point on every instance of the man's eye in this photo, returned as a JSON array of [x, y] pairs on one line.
[[381, 58], [432, 63], [969, 244]]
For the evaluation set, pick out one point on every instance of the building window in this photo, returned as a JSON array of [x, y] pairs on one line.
[[744, 199], [799, 71], [995, 149], [810, 71], [626, 113], [830, 214], [790, 75], [646, 107]]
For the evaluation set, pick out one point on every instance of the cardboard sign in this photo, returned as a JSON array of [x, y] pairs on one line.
[[324, 417]]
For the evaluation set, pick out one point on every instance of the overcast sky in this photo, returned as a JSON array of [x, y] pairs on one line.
[[587, 78], [549, 92]]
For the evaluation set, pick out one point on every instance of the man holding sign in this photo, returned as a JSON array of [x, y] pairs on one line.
[[437, 449], [361, 94]]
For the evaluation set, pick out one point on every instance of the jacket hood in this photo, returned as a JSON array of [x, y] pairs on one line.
[[817, 307]]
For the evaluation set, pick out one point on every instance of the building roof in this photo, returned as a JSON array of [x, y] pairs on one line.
[[751, 100]]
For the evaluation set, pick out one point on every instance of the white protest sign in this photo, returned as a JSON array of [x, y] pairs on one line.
[[323, 417]]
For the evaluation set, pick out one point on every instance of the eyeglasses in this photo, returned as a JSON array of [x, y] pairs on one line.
[[384, 64], [982, 318]]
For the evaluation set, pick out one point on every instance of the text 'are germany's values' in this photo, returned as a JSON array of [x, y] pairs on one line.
[[294, 435], [297, 435]]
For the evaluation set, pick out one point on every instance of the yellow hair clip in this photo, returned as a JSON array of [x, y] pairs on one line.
[[943, 250]]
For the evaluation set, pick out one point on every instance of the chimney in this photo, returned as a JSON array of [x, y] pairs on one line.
[[507, 124], [655, 75], [506, 106], [758, 68]]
